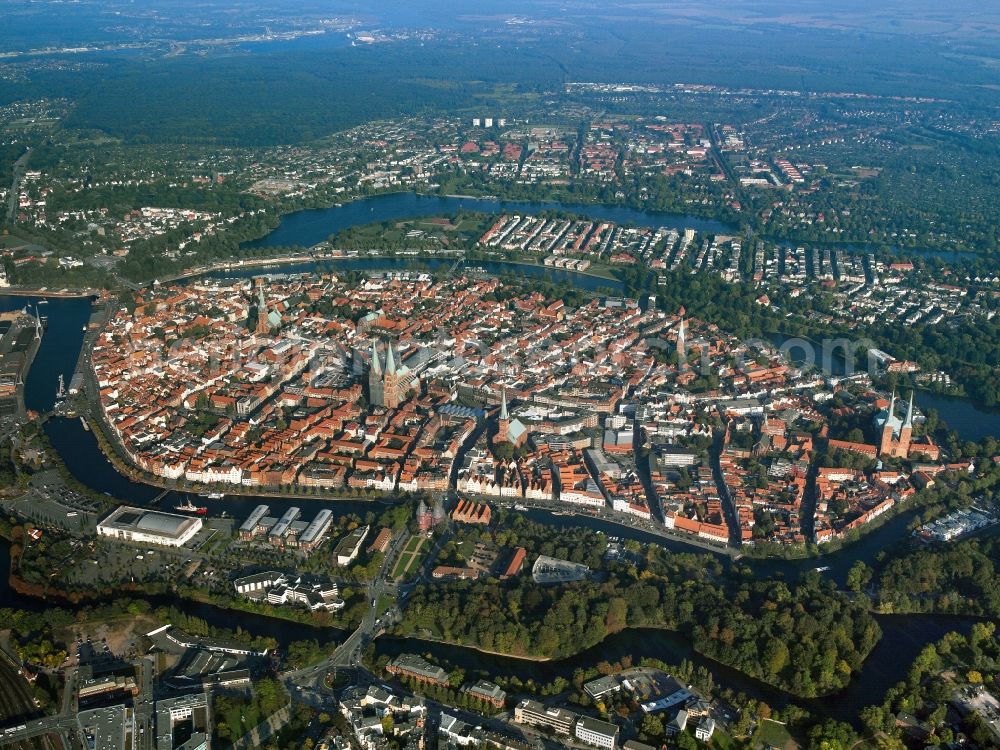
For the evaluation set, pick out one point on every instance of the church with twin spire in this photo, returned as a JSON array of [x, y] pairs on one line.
[[895, 435]]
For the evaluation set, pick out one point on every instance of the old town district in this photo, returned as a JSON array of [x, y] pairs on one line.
[[402, 382]]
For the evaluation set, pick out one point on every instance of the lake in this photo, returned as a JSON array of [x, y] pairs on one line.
[[969, 420]]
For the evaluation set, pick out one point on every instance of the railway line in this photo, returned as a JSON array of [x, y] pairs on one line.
[[16, 704]]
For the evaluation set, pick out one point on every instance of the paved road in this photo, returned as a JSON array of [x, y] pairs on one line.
[[145, 732], [15, 186], [348, 653], [65, 723], [64, 726]]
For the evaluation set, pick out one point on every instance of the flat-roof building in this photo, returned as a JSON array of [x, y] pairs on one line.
[[149, 527], [107, 728], [533, 713], [314, 592], [170, 711], [552, 570], [596, 732], [602, 686], [349, 547]]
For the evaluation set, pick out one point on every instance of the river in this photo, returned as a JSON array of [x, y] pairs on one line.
[[904, 636], [283, 631], [82, 455], [902, 640], [312, 226], [585, 281]]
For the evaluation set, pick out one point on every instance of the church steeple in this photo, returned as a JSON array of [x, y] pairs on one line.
[[390, 362], [892, 405], [909, 413], [376, 365], [262, 324], [681, 344], [503, 405]]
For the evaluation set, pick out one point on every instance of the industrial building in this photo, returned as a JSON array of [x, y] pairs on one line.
[[253, 525], [316, 531]]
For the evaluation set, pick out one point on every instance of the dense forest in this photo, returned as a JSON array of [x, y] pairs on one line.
[[807, 639], [290, 92], [959, 578]]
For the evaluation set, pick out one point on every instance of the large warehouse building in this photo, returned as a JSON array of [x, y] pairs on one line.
[[149, 527]]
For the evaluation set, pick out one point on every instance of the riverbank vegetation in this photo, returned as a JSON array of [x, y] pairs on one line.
[[960, 578], [805, 639], [42, 636], [954, 671], [237, 714]]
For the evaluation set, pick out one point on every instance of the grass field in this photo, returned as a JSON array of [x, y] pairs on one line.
[[409, 558], [383, 603], [773, 734]]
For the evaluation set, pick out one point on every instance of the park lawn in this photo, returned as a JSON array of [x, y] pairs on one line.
[[414, 543], [398, 567], [415, 560], [773, 734], [384, 602], [408, 557]]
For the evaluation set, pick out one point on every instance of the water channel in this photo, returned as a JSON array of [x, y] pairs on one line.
[[903, 635]]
